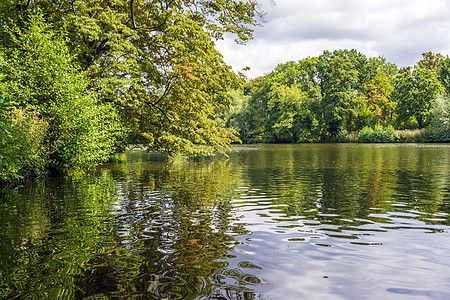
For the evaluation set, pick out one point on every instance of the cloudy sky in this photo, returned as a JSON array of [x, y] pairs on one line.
[[399, 30]]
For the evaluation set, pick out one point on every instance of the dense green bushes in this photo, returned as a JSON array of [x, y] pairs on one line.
[[378, 134], [50, 119], [23, 149]]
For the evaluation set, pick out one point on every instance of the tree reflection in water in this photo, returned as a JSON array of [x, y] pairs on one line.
[[255, 225], [143, 228]]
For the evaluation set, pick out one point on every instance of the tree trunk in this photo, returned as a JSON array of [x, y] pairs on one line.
[[420, 121]]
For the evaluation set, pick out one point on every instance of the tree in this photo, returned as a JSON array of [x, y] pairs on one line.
[[440, 120], [254, 115], [155, 61], [444, 75], [340, 100], [431, 61], [378, 98], [415, 92]]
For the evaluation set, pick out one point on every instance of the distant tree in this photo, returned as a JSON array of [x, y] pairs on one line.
[[431, 61], [250, 119], [415, 92], [444, 75], [340, 101], [440, 120], [378, 98]]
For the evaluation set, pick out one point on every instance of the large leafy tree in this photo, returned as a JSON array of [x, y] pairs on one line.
[[377, 91], [415, 91], [431, 61], [340, 101], [293, 93], [155, 60]]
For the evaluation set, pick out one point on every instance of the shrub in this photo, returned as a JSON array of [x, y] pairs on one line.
[[378, 134], [23, 149], [38, 72], [83, 133]]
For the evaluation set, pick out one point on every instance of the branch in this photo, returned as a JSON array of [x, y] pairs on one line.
[[132, 14], [151, 105], [164, 95]]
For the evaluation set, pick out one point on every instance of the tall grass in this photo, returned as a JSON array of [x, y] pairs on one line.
[[411, 136]]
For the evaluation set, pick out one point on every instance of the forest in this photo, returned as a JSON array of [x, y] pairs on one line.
[[81, 80]]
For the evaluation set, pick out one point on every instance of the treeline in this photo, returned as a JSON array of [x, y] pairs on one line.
[[345, 96]]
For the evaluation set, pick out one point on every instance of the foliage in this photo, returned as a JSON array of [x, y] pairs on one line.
[[378, 98], [431, 61], [156, 61], [340, 99], [440, 120], [444, 75], [320, 98], [345, 96], [40, 74], [378, 134], [84, 134], [23, 149], [410, 136], [415, 92]]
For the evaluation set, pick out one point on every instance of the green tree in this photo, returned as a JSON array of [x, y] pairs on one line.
[[23, 148], [378, 99], [284, 107], [340, 100], [431, 61], [444, 75], [440, 120], [254, 115], [415, 92], [280, 103]]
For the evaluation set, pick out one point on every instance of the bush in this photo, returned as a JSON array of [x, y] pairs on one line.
[[23, 149], [378, 134], [83, 133], [39, 73]]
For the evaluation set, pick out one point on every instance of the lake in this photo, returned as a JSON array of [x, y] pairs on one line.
[[307, 221]]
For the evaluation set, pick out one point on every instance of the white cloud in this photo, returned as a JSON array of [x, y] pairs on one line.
[[400, 30]]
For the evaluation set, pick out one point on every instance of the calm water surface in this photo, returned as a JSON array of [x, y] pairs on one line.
[[340, 221]]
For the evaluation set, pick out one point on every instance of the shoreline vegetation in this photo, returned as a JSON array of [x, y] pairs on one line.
[[81, 81]]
